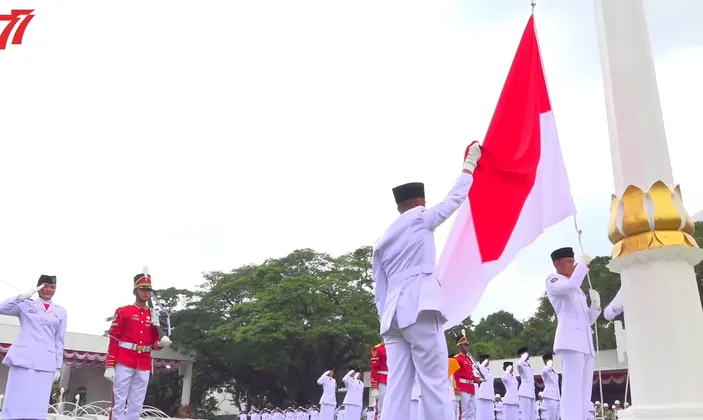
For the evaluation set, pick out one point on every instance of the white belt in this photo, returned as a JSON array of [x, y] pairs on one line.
[[465, 381], [383, 372], [135, 347]]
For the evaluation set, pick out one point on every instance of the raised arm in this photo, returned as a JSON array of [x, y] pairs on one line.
[[614, 308], [321, 380], [437, 214], [559, 287], [379, 275], [11, 306], [348, 377]]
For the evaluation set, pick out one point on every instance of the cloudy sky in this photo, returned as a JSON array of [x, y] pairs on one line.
[[192, 138]]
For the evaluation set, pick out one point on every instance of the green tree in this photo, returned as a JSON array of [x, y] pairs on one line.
[[698, 236], [501, 324], [265, 333]]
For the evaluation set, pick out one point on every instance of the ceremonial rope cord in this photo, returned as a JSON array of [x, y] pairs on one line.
[[590, 286]]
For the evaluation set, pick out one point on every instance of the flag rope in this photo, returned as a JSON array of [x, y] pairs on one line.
[[579, 232]]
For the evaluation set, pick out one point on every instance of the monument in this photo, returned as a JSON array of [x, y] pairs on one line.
[[649, 227]]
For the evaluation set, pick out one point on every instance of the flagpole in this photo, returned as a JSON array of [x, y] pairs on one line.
[[653, 250]]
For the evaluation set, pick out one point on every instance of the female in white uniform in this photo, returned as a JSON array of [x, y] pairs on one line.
[[36, 356], [511, 403]]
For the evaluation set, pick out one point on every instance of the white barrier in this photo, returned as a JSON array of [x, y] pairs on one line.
[[98, 410]]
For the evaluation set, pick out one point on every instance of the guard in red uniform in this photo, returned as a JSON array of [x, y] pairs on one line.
[[133, 337], [379, 375], [465, 381]]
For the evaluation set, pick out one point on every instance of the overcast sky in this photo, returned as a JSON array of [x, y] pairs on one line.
[[190, 138]]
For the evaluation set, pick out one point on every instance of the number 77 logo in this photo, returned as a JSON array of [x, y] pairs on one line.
[[23, 17]]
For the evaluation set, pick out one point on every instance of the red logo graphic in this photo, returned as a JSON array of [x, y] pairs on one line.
[[23, 17]]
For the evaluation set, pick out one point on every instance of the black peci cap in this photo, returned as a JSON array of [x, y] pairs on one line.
[[44, 279], [560, 253], [407, 191]]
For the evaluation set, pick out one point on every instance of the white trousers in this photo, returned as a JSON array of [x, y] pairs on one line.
[[419, 349], [468, 406], [381, 396], [485, 409], [456, 409], [528, 410], [576, 384], [352, 412], [128, 393], [327, 411], [551, 409], [511, 412]]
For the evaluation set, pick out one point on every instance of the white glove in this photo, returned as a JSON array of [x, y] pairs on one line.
[[110, 374], [29, 293], [595, 298], [549, 363], [458, 398], [165, 341], [585, 259], [57, 375], [375, 394], [509, 369], [472, 157], [484, 363], [523, 357]]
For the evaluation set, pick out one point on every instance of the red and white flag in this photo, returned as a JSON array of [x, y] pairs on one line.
[[520, 186]]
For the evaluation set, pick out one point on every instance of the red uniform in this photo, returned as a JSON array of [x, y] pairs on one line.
[[379, 366], [464, 377], [132, 338]]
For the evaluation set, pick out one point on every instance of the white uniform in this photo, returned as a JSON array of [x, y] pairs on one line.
[[328, 401], [615, 308], [415, 401], [526, 392], [550, 395], [573, 342], [511, 404], [410, 304], [354, 398], [485, 396]]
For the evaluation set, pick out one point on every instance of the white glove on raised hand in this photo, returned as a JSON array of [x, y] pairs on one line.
[[375, 394], [165, 341], [29, 293], [509, 369], [523, 357], [57, 375], [585, 259], [595, 298], [472, 157], [110, 374]]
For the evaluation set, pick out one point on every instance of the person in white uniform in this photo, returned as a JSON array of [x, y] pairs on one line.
[[573, 341], [328, 401], [526, 392], [550, 395], [511, 403], [354, 399], [36, 356], [409, 298], [485, 395]]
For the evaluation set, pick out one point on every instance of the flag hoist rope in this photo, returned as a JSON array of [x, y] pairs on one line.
[[595, 327]]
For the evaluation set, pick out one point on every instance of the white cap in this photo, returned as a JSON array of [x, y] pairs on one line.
[[617, 402]]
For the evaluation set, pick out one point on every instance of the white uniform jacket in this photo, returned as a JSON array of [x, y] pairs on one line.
[[485, 389], [551, 384], [329, 389], [574, 316], [510, 384], [527, 380], [39, 345], [404, 261]]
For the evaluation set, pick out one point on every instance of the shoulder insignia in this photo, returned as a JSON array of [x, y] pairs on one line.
[[554, 280], [378, 345]]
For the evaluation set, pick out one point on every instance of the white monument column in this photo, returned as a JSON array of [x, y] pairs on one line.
[[653, 251]]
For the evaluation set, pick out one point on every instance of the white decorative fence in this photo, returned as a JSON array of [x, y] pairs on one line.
[[98, 410]]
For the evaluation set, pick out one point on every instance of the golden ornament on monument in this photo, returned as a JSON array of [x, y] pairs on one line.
[[642, 220]]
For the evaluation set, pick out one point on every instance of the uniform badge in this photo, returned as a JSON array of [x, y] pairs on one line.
[[135, 317], [554, 280]]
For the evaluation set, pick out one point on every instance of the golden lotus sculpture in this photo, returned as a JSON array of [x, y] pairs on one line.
[[642, 220]]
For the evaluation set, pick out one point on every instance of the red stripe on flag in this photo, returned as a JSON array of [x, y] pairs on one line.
[[511, 150]]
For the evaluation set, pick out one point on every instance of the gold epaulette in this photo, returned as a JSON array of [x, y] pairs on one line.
[[378, 345]]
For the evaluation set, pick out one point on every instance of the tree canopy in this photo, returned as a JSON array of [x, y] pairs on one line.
[[265, 333]]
